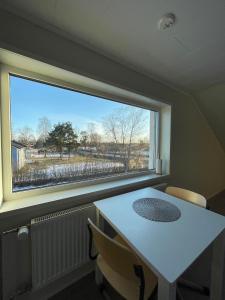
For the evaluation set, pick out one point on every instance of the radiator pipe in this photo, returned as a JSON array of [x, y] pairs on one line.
[[23, 233], [16, 229]]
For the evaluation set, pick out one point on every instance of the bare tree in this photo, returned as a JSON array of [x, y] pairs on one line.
[[44, 126], [43, 129], [83, 138], [26, 136], [94, 138], [141, 151], [123, 128]]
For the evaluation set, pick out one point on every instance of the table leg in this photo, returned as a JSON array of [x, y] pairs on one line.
[[99, 220], [217, 268], [166, 290]]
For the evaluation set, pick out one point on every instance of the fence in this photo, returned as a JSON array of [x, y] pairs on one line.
[[65, 173]]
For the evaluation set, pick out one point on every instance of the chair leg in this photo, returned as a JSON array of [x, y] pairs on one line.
[[99, 280], [193, 286], [179, 296], [102, 289], [98, 276], [154, 293]]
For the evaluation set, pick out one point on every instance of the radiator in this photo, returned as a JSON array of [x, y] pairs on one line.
[[59, 243]]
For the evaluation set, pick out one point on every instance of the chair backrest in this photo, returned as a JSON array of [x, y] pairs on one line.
[[117, 256], [187, 195]]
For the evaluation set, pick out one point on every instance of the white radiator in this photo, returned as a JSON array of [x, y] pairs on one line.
[[59, 243]]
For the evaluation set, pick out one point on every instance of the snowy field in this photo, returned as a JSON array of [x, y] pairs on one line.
[[64, 173], [81, 167]]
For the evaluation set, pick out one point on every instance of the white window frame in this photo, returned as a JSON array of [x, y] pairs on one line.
[[77, 83]]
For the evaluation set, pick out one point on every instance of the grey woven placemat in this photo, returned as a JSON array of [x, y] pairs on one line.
[[156, 210]]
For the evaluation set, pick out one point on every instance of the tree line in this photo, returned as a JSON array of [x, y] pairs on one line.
[[62, 135], [123, 131]]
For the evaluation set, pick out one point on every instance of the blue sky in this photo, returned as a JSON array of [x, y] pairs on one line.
[[31, 101]]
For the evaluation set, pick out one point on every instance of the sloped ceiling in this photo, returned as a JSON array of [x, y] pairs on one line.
[[212, 104]]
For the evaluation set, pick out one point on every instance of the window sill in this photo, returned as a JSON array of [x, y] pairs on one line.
[[50, 202]]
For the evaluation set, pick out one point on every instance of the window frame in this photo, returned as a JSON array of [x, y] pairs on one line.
[[112, 94]]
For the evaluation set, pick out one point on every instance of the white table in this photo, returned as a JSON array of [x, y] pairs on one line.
[[169, 248]]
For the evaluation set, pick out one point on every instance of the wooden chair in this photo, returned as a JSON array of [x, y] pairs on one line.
[[126, 273], [199, 200], [186, 195]]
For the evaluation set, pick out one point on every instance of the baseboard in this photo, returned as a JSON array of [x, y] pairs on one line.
[[59, 284]]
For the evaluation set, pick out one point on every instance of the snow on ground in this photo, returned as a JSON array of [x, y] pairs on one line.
[[80, 167], [55, 171]]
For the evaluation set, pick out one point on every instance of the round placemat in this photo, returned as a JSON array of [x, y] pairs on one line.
[[156, 210]]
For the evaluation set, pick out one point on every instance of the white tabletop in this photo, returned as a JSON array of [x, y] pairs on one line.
[[168, 248]]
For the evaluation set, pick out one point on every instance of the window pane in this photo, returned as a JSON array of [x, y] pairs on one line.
[[61, 136]]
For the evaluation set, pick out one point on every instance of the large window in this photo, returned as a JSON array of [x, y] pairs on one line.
[[61, 136]]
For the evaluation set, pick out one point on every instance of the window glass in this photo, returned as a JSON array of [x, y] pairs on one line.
[[60, 136]]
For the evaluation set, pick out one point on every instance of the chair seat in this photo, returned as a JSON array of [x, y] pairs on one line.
[[129, 289]]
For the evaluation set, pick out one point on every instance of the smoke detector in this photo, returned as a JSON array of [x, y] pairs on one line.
[[167, 21]]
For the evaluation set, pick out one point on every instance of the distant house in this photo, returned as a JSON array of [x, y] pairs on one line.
[[18, 156]]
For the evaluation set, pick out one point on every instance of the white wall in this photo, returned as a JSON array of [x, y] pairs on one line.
[[198, 161], [212, 103], [197, 157]]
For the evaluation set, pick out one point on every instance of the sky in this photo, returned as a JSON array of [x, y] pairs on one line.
[[32, 100]]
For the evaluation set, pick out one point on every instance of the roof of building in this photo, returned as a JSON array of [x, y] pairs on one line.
[[18, 145]]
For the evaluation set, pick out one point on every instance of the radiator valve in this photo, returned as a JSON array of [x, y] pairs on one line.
[[23, 233]]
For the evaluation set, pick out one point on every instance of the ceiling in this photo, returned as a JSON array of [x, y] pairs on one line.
[[189, 56]]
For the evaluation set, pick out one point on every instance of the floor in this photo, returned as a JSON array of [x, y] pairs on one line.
[[199, 272]]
